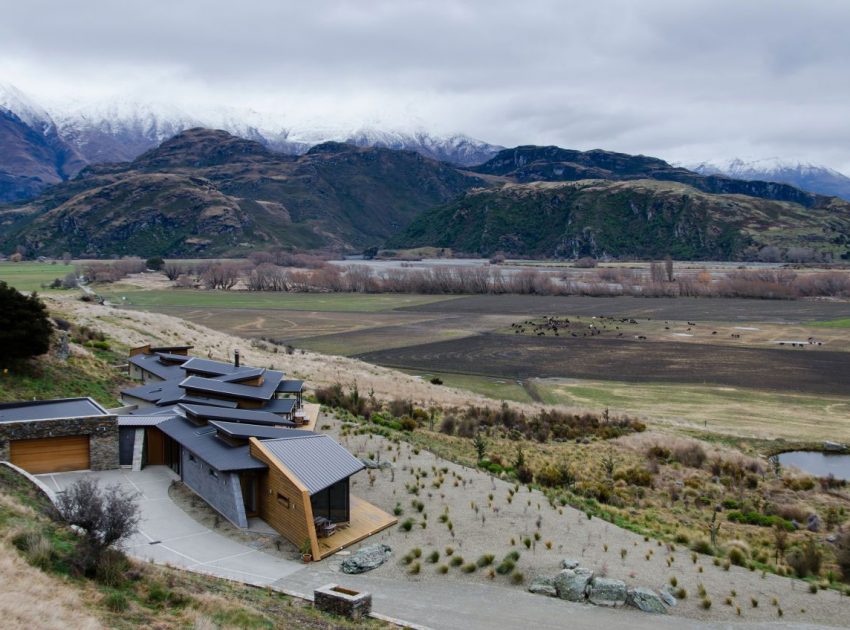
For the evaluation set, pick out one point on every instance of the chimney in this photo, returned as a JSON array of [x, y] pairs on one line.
[[236, 358]]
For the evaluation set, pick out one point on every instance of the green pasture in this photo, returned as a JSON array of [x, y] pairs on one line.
[[29, 276]]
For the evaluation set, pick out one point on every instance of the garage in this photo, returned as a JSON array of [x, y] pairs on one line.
[[54, 454]]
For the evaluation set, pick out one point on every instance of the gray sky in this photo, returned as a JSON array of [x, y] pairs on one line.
[[681, 79]]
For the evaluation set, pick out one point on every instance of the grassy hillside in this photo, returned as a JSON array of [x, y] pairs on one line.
[[642, 218], [41, 590]]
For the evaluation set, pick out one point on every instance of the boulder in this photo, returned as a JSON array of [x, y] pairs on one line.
[[813, 523], [607, 592], [366, 559], [834, 447], [543, 586], [372, 464], [645, 599], [569, 563], [667, 597], [571, 584]]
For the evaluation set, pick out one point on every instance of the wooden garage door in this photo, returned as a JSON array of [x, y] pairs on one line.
[[57, 454]]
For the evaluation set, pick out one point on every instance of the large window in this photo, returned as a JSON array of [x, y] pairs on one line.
[[332, 502]]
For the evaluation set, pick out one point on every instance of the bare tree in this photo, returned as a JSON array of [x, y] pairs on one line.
[[105, 516], [668, 268], [222, 276], [173, 271]]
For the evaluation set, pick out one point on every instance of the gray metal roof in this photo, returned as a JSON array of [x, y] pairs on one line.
[[280, 405], [143, 421], [241, 375], [50, 409], [317, 460], [240, 430], [152, 364], [208, 366], [290, 386], [249, 416], [251, 392], [203, 442]]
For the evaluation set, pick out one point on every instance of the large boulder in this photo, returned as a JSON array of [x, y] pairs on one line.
[[571, 584], [543, 586], [645, 599], [607, 592], [366, 558], [667, 597]]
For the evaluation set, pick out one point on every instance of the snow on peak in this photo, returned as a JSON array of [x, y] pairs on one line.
[[28, 111]]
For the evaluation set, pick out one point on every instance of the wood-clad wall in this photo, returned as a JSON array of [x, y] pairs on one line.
[[295, 521]]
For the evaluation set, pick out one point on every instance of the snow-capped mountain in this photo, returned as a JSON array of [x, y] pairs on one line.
[[815, 178], [120, 130], [32, 153]]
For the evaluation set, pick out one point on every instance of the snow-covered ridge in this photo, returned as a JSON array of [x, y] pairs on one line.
[[120, 129]]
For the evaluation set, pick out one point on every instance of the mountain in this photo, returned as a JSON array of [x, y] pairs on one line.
[[32, 154], [554, 164], [120, 130], [804, 175], [549, 201], [206, 192]]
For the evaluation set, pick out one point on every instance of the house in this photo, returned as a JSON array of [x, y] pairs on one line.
[[58, 435], [239, 437]]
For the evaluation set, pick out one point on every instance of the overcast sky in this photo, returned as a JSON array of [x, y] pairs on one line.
[[684, 80]]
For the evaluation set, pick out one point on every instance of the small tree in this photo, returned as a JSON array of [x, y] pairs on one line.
[[155, 263], [106, 516], [480, 445], [24, 327]]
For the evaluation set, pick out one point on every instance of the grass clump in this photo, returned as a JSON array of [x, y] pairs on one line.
[[485, 560]]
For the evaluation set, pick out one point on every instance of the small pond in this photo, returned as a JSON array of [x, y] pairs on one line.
[[818, 464]]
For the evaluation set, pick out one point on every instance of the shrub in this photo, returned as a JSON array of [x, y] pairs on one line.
[[806, 560], [433, 557], [116, 602], [703, 546], [156, 263], [757, 518], [842, 555], [442, 569], [407, 524], [36, 548], [414, 568], [505, 566], [485, 560], [408, 424], [456, 561], [469, 567], [737, 557], [635, 476], [24, 325], [106, 517], [517, 578], [706, 603]]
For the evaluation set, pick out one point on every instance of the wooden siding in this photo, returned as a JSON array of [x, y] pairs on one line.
[[46, 455], [155, 443], [295, 520]]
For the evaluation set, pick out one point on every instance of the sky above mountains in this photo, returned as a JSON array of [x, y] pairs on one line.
[[686, 81]]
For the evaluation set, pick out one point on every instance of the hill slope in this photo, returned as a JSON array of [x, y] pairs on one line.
[[635, 218], [207, 192]]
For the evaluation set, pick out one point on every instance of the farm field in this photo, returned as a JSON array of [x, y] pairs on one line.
[[29, 276]]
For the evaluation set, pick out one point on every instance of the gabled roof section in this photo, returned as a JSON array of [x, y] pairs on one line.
[[172, 358], [169, 393], [245, 431], [242, 375], [50, 409], [280, 406], [203, 442], [316, 460], [248, 416]]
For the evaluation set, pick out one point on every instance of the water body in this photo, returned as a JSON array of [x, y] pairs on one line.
[[818, 464]]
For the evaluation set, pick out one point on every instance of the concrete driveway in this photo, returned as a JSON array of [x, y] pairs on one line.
[[168, 535]]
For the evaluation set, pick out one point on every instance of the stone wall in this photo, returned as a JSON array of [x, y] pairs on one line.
[[102, 432], [221, 490]]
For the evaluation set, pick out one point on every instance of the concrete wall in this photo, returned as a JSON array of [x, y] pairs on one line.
[[222, 490], [102, 432]]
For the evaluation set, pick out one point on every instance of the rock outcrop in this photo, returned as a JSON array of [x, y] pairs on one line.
[[366, 559]]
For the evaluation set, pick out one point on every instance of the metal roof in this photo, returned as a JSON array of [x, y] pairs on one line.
[[241, 375], [173, 358], [142, 421], [249, 416], [251, 392], [202, 441], [50, 409], [317, 460], [208, 366], [280, 405], [240, 430], [290, 386], [151, 363]]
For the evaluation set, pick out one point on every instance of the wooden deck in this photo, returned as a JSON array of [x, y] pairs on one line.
[[312, 411], [366, 520]]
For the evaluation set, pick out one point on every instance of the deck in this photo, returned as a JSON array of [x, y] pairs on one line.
[[366, 520], [312, 411]]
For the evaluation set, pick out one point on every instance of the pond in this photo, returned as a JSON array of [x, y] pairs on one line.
[[817, 463]]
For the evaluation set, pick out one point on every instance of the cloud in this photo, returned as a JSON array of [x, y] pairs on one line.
[[683, 80]]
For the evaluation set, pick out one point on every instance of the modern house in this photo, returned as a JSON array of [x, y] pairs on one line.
[[240, 437]]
